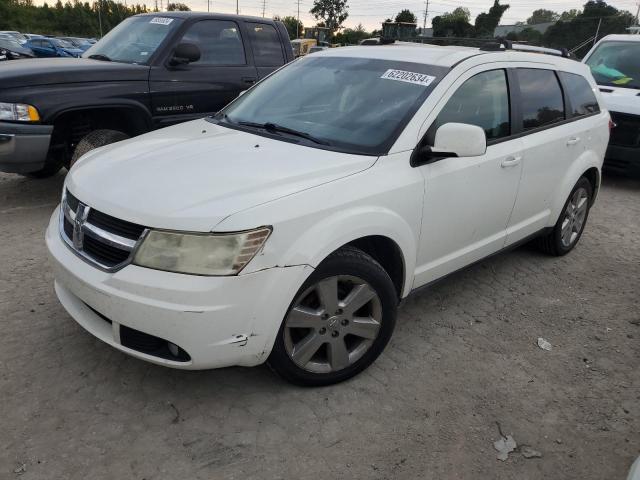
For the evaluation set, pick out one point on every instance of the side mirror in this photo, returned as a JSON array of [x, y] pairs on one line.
[[452, 140], [185, 53]]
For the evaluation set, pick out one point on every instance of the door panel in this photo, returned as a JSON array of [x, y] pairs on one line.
[[549, 149], [202, 88], [467, 205], [268, 53], [468, 200]]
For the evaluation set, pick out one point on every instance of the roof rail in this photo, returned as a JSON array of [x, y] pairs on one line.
[[495, 44]]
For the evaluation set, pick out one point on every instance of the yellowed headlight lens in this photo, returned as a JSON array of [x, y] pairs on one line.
[[34, 116]]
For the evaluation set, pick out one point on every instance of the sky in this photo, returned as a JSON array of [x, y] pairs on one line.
[[372, 12]]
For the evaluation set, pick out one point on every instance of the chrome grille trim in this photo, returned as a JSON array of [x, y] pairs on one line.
[[81, 228]]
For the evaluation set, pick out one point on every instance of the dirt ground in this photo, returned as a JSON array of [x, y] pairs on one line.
[[462, 361]]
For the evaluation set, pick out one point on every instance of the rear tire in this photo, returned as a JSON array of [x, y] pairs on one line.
[[568, 229], [339, 322], [95, 139]]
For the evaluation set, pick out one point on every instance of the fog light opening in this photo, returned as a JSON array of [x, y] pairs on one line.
[[174, 349]]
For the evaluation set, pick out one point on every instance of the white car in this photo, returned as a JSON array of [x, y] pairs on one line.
[[289, 226], [616, 69]]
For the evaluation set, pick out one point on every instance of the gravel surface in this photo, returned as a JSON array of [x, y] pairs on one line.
[[463, 365]]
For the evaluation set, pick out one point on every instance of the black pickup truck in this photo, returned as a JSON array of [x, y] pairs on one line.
[[151, 71]]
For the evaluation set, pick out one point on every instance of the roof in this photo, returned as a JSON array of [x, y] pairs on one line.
[[621, 38]]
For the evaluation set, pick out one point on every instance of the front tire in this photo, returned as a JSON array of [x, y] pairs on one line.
[[95, 139], [568, 229], [339, 322]]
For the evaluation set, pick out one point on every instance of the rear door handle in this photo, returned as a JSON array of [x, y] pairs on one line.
[[511, 161], [573, 141], [249, 80]]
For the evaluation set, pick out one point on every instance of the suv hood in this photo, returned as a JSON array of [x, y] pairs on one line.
[[194, 175], [52, 71], [620, 99]]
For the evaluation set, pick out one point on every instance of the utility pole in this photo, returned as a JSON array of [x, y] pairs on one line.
[[208, 8], [237, 8], [264, 6], [100, 16], [637, 13], [426, 13], [298, 22], [595, 38]]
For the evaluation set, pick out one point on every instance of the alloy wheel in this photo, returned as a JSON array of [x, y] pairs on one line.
[[574, 217], [332, 324]]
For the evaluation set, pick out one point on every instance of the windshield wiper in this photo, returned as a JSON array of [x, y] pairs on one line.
[[99, 56], [274, 127]]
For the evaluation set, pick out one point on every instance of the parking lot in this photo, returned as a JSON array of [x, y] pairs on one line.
[[462, 365]]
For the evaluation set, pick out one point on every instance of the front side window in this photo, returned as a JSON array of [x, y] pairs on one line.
[[267, 48], [483, 100], [134, 40], [583, 100], [616, 64], [219, 42], [357, 105], [541, 97]]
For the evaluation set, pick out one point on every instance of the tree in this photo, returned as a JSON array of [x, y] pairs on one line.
[[294, 27], [569, 15], [486, 23], [352, 36], [333, 13], [453, 24], [406, 16], [542, 16], [180, 7]]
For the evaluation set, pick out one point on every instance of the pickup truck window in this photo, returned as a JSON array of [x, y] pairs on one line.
[[219, 42], [267, 48], [134, 40], [356, 105]]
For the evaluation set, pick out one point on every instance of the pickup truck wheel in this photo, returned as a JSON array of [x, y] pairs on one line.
[[568, 229], [95, 139], [339, 322], [51, 167]]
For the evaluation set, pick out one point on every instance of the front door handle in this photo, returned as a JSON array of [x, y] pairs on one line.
[[511, 161], [573, 141]]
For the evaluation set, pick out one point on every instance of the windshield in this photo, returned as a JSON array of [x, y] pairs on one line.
[[134, 40], [357, 105], [61, 43], [616, 64]]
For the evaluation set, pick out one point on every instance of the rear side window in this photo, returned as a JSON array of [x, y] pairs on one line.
[[483, 100], [541, 96], [265, 41], [219, 42], [583, 100]]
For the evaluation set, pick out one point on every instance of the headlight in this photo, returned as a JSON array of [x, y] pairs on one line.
[[200, 254], [18, 112]]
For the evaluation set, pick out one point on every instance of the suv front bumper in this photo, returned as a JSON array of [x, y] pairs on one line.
[[23, 147], [216, 321]]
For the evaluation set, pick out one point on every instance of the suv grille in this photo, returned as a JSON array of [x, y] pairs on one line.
[[627, 130], [101, 239]]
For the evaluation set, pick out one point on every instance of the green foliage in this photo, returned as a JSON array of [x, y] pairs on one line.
[[487, 22], [352, 36], [180, 7], [71, 18], [294, 27], [569, 15], [332, 13], [453, 24], [542, 16], [406, 16]]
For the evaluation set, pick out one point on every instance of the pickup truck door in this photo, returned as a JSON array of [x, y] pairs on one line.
[[267, 46], [201, 88]]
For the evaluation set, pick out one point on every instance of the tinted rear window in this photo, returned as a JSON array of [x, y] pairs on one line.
[[265, 41], [542, 101], [583, 100]]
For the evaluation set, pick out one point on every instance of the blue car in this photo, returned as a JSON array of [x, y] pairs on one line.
[[52, 47]]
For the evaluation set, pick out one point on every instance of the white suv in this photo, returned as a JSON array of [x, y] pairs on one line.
[[288, 227]]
